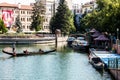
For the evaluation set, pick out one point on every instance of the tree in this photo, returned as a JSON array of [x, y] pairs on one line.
[[62, 19], [2, 27], [105, 17], [38, 15], [18, 24]]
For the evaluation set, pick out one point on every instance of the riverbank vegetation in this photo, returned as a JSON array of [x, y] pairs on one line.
[[16, 35], [105, 18], [3, 29]]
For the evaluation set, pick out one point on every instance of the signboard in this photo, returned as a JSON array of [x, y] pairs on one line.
[[118, 63], [7, 17], [114, 63]]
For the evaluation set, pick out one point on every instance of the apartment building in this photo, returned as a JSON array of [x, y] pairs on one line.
[[9, 12]]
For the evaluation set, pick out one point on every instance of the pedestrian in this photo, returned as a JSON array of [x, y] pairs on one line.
[[40, 50], [26, 52], [13, 47]]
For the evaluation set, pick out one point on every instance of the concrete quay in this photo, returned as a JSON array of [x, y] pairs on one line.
[[31, 40]]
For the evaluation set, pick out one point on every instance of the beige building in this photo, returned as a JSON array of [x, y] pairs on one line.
[[77, 8], [88, 7], [9, 12]]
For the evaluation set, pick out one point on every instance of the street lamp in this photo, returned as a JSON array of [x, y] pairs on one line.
[[117, 33], [54, 7], [117, 42]]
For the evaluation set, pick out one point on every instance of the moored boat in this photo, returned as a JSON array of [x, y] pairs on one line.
[[111, 60], [97, 63], [80, 44]]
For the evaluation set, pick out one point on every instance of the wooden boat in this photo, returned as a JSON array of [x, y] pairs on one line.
[[8, 50], [111, 61], [97, 63]]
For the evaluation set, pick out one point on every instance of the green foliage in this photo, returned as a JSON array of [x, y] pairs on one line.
[[38, 16], [63, 19], [18, 24], [106, 17], [3, 28]]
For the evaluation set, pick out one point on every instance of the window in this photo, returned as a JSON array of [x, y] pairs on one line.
[[23, 26], [22, 19]]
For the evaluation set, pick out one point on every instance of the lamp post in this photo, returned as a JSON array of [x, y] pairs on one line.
[[117, 42], [54, 7], [117, 33], [110, 35], [57, 32]]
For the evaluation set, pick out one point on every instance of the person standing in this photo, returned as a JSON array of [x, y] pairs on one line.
[[13, 48]]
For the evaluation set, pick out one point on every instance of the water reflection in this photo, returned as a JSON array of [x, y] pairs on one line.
[[65, 64]]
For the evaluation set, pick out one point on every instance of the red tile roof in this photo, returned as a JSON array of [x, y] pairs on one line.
[[4, 4], [26, 7]]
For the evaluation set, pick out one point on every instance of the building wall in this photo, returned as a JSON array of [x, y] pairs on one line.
[[77, 8], [50, 5], [48, 15], [25, 12], [69, 3], [88, 7]]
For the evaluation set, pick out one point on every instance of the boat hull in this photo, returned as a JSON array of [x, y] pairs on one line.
[[8, 51], [115, 73], [96, 63], [81, 48]]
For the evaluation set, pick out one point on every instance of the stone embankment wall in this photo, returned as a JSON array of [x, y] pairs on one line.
[[31, 39]]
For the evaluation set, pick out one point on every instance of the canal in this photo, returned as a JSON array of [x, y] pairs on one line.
[[64, 64]]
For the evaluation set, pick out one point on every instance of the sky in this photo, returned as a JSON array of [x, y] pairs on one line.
[[27, 2]]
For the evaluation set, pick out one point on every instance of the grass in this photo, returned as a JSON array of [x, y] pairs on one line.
[[15, 35]]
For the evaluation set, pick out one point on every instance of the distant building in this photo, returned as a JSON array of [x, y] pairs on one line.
[[76, 8], [80, 9], [88, 7]]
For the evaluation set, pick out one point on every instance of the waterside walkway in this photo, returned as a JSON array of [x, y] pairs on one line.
[[36, 40]]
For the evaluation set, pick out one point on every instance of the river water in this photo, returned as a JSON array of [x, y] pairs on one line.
[[64, 64]]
